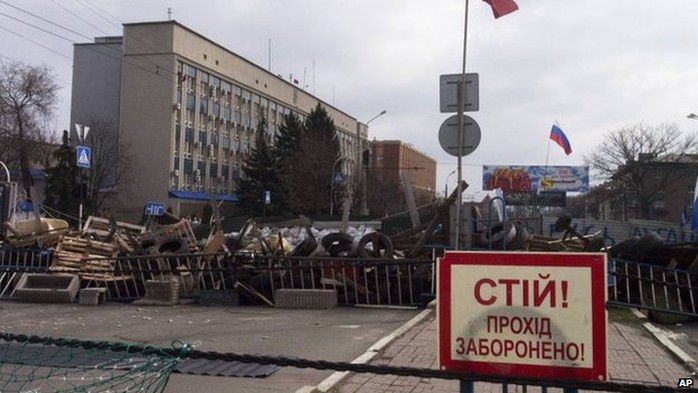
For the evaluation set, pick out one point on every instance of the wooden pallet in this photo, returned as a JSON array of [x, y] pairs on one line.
[[101, 227], [544, 243], [91, 259], [183, 230]]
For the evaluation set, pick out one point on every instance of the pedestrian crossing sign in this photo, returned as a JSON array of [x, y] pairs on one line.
[[84, 155]]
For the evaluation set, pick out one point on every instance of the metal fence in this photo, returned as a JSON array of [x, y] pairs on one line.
[[401, 282], [14, 263], [659, 288]]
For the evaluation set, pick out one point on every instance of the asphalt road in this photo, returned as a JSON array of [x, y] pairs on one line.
[[339, 334]]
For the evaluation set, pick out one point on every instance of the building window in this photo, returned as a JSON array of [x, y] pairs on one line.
[[659, 174], [659, 205], [188, 166], [191, 72], [189, 134], [203, 105]]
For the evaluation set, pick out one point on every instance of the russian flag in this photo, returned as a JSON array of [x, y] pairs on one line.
[[557, 135]]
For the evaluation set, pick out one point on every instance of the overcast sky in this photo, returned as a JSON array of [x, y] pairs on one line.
[[592, 65]]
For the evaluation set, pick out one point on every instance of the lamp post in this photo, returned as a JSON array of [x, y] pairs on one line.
[[364, 176], [446, 185], [334, 166], [383, 112]]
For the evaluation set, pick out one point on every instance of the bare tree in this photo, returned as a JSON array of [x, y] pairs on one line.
[[27, 101], [626, 155], [108, 164]]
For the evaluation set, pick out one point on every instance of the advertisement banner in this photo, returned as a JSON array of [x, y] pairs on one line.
[[541, 198], [534, 178]]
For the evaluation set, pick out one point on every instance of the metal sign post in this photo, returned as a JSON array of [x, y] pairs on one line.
[[84, 158]]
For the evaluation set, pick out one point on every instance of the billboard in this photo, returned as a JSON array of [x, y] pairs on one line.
[[526, 314], [534, 178], [541, 198]]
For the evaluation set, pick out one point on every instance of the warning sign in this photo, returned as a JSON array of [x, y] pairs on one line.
[[523, 314]]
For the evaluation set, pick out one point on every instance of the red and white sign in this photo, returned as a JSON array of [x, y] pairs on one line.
[[523, 314]]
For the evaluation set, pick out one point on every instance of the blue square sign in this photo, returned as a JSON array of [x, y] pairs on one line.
[[84, 156], [154, 209]]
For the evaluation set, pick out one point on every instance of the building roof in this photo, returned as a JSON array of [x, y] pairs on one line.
[[174, 22]]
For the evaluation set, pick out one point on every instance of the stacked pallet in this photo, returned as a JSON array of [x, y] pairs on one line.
[[91, 259], [544, 243], [102, 227]]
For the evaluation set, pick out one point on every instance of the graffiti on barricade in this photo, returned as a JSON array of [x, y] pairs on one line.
[[613, 232]]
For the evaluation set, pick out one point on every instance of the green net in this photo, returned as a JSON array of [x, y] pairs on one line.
[[34, 365]]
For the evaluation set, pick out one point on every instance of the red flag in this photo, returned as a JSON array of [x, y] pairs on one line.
[[502, 7]]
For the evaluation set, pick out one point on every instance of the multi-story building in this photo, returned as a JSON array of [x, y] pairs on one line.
[[391, 159], [186, 110], [668, 191]]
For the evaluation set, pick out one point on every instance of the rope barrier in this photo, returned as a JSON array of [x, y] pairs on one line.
[[183, 351]]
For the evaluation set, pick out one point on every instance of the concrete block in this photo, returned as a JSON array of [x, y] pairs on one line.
[[48, 288], [305, 298], [160, 293], [92, 296]]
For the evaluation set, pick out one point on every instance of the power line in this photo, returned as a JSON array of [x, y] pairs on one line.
[[44, 19], [93, 10], [37, 27], [79, 17], [36, 43], [115, 55]]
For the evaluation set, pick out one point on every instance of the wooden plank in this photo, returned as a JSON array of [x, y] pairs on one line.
[[253, 292]]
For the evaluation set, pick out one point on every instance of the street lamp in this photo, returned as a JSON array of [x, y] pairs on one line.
[[446, 186], [383, 112], [364, 175]]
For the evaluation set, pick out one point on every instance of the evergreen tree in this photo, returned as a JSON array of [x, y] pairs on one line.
[[259, 175], [312, 173], [61, 188], [285, 150]]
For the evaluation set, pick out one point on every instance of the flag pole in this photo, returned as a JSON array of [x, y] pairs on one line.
[[547, 156], [461, 99]]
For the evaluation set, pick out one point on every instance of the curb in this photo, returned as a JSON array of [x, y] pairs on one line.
[[661, 336], [370, 353]]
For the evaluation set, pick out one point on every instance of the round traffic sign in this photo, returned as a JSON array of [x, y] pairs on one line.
[[448, 135]]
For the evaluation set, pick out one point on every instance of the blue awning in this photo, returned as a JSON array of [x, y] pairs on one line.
[[201, 196]]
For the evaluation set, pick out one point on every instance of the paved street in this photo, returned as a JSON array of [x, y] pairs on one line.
[[339, 334], [634, 356]]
